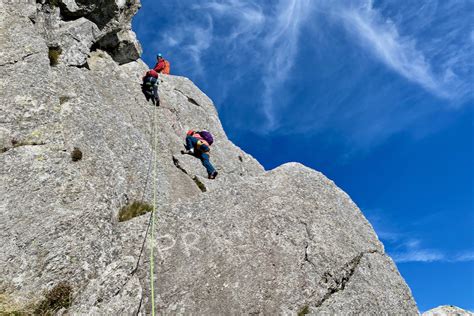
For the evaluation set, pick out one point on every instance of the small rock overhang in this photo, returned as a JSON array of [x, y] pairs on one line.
[[76, 27]]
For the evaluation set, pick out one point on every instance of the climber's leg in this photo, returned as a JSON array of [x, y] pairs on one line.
[[156, 96], [211, 172], [191, 142], [145, 92], [190, 145]]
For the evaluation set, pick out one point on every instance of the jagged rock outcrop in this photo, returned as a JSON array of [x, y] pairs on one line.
[[72, 28], [447, 310], [256, 242]]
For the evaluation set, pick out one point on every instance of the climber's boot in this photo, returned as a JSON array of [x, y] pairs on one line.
[[187, 152], [213, 175]]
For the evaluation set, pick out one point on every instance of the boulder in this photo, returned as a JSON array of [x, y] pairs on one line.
[[122, 45], [75, 39], [447, 310]]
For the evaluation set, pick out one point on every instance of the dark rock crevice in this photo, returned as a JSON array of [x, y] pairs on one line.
[[306, 258], [337, 282], [199, 184], [309, 236], [190, 99], [18, 60], [334, 281], [16, 144], [195, 179], [178, 165], [85, 66]]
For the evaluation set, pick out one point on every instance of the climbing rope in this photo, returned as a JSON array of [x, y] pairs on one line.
[[152, 235], [151, 220], [145, 185]]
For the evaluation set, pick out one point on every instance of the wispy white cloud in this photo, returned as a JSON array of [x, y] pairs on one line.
[[201, 40], [238, 40], [431, 255], [246, 32], [403, 247], [247, 18], [419, 255], [281, 46], [183, 39], [381, 36], [411, 250], [229, 30], [427, 44], [464, 256]]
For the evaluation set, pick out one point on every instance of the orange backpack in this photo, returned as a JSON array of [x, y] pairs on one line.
[[166, 70]]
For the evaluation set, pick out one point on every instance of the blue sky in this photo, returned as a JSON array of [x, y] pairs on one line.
[[377, 95]]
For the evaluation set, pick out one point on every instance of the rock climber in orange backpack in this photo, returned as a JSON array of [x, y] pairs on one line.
[[162, 65], [166, 70], [198, 144]]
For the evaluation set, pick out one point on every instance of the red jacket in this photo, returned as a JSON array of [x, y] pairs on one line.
[[159, 66]]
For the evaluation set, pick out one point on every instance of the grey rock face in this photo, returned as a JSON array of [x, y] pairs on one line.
[[75, 39], [276, 243], [76, 27], [447, 310], [122, 45], [254, 242]]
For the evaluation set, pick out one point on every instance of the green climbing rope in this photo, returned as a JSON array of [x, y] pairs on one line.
[[152, 234]]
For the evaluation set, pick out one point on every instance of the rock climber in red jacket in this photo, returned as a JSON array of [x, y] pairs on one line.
[[160, 63]]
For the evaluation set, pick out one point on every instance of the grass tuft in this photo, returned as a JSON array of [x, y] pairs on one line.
[[136, 208], [63, 99], [200, 185], [304, 311], [53, 54], [60, 296], [76, 154]]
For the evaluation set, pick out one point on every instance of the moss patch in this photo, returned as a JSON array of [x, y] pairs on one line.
[[53, 54], [9, 307], [200, 185], [63, 99], [304, 311], [136, 208], [53, 3], [76, 154], [60, 296]]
